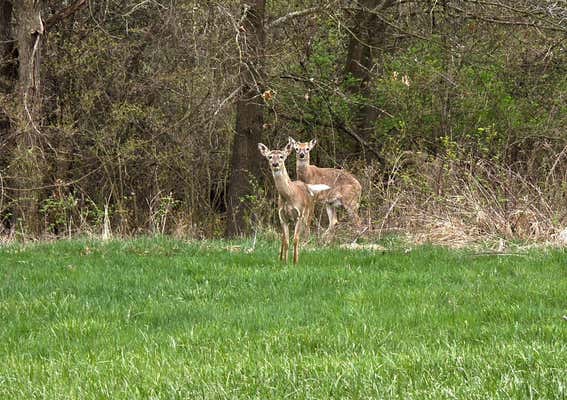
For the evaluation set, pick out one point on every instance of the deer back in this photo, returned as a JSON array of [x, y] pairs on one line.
[[328, 176]]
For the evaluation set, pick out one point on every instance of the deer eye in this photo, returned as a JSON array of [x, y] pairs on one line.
[[270, 157], [281, 157]]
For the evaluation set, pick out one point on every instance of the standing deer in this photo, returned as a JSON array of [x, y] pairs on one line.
[[345, 189], [295, 199]]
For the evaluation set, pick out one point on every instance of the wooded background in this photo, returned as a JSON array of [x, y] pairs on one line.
[[143, 116]]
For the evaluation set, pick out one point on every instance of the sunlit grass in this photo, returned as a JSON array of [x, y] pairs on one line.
[[161, 319]]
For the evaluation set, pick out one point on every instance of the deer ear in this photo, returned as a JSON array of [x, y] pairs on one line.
[[288, 148], [263, 149], [312, 143], [291, 140]]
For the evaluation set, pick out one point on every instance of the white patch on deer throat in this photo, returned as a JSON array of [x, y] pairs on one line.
[[277, 172]]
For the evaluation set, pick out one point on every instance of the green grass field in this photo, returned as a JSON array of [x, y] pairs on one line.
[[161, 319]]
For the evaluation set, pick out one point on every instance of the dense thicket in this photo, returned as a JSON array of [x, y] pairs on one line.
[[132, 114]]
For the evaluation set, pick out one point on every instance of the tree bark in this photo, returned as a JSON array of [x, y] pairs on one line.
[[26, 168], [8, 69], [366, 41], [8, 76], [245, 162]]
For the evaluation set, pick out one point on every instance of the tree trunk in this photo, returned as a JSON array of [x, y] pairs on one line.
[[366, 41], [26, 168], [8, 79], [8, 69], [245, 162]]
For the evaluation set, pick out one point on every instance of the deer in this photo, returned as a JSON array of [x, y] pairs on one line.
[[295, 199], [345, 188]]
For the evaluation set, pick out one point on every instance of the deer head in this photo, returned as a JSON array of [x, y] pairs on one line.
[[276, 158], [302, 149]]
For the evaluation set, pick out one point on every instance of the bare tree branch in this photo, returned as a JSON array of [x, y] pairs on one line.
[[546, 23], [228, 98], [341, 126], [65, 13], [291, 15]]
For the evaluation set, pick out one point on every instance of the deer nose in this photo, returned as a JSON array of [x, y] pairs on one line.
[[301, 155], [274, 164]]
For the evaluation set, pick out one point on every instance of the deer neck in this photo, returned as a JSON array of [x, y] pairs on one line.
[[301, 168], [283, 183]]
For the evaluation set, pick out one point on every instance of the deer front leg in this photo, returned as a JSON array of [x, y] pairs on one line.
[[285, 242], [306, 221], [298, 225]]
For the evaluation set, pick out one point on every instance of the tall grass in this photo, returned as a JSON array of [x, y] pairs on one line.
[[462, 202], [161, 319]]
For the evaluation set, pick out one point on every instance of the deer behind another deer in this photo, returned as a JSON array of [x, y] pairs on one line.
[[345, 190]]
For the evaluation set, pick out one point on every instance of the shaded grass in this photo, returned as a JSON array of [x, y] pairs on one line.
[[156, 318]]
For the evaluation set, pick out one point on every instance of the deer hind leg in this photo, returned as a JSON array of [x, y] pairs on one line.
[[285, 242], [332, 214], [297, 229], [352, 211], [351, 203]]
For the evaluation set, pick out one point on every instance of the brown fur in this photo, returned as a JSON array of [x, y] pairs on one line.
[[345, 188], [295, 199]]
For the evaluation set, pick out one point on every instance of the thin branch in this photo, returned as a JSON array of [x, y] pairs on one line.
[[15, 189], [315, 83], [228, 98], [291, 15], [376, 12], [557, 159], [534, 12], [496, 20], [65, 13], [340, 124], [343, 128], [140, 5]]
